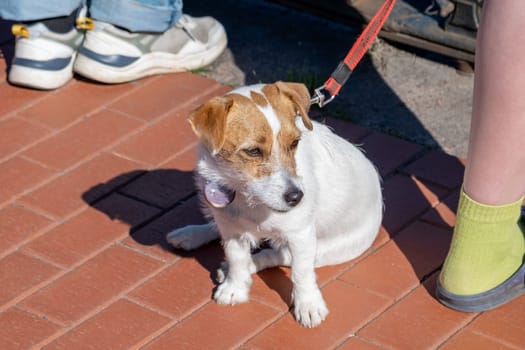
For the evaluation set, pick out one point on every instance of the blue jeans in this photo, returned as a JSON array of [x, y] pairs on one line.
[[134, 15]]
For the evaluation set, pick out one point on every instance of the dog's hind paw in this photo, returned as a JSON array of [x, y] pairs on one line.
[[191, 237], [231, 293], [310, 311], [222, 272]]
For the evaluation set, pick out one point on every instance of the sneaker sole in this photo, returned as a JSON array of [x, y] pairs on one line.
[[502, 294], [41, 78], [148, 64]]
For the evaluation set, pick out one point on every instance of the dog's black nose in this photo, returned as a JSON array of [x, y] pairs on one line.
[[293, 197]]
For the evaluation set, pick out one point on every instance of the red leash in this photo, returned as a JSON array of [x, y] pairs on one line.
[[329, 90]]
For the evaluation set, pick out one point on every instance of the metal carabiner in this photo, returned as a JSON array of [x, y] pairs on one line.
[[320, 97]]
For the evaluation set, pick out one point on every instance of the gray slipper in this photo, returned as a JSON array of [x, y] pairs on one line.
[[497, 296]]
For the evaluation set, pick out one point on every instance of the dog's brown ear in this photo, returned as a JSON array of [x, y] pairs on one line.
[[209, 122], [299, 95]]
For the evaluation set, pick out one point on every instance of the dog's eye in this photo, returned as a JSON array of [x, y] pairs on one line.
[[294, 144], [253, 152]]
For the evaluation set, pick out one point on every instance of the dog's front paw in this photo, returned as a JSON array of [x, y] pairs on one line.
[[231, 293], [310, 310]]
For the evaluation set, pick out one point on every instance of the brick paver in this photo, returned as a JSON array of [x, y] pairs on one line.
[[94, 176], [416, 322]]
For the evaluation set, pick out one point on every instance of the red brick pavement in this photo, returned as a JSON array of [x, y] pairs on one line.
[[93, 177]]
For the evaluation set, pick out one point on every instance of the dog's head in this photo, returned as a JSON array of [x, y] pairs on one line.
[[253, 133]]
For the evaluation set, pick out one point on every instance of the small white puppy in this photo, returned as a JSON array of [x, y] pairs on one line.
[[267, 172]]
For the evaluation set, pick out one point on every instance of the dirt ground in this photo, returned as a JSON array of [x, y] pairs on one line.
[[414, 95]]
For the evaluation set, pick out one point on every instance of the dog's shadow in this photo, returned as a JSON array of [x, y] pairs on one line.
[[156, 202]]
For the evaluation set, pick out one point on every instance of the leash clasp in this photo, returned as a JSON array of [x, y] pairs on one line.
[[321, 96]]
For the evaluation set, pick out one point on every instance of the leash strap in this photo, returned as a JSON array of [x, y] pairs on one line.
[[329, 90]]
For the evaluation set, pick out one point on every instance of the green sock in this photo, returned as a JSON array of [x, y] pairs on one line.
[[488, 246]]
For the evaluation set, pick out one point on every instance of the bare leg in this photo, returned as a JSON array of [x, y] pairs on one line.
[[488, 245], [495, 170]]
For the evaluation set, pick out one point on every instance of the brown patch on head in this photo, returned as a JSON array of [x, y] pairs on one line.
[[233, 128], [259, 99], [289, 100], [249, 137], [300, 98], [209, 122]]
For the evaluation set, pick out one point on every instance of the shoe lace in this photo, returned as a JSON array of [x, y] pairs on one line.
[[185, 23], [82, 22], [20, 30]]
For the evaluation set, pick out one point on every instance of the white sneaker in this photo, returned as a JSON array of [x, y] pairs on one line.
[[43, 59], [113, 55]]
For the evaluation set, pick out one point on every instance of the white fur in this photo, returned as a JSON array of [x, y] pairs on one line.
[[337, 219]]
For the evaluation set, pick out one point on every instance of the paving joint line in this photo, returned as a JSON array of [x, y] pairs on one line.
[[148, 306], [28, 104], [395, 301], [490, 336], [398, 170], [163, 212], [177, 321], [43, 316], [155, 335], [279, 316], [165, 114], [63, 270], [54, 131], [110, 301], [15, 302], [461, 327], [182, 151], [27, 240]]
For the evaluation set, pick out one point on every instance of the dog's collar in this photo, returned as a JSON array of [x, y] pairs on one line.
[[218, 196]]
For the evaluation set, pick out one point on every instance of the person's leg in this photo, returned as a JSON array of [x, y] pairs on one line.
[[495, 170], [132, 39], [488, 245], [153, 16], [31, 10]]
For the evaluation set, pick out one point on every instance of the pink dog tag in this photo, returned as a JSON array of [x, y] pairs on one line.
[[218, 196]]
